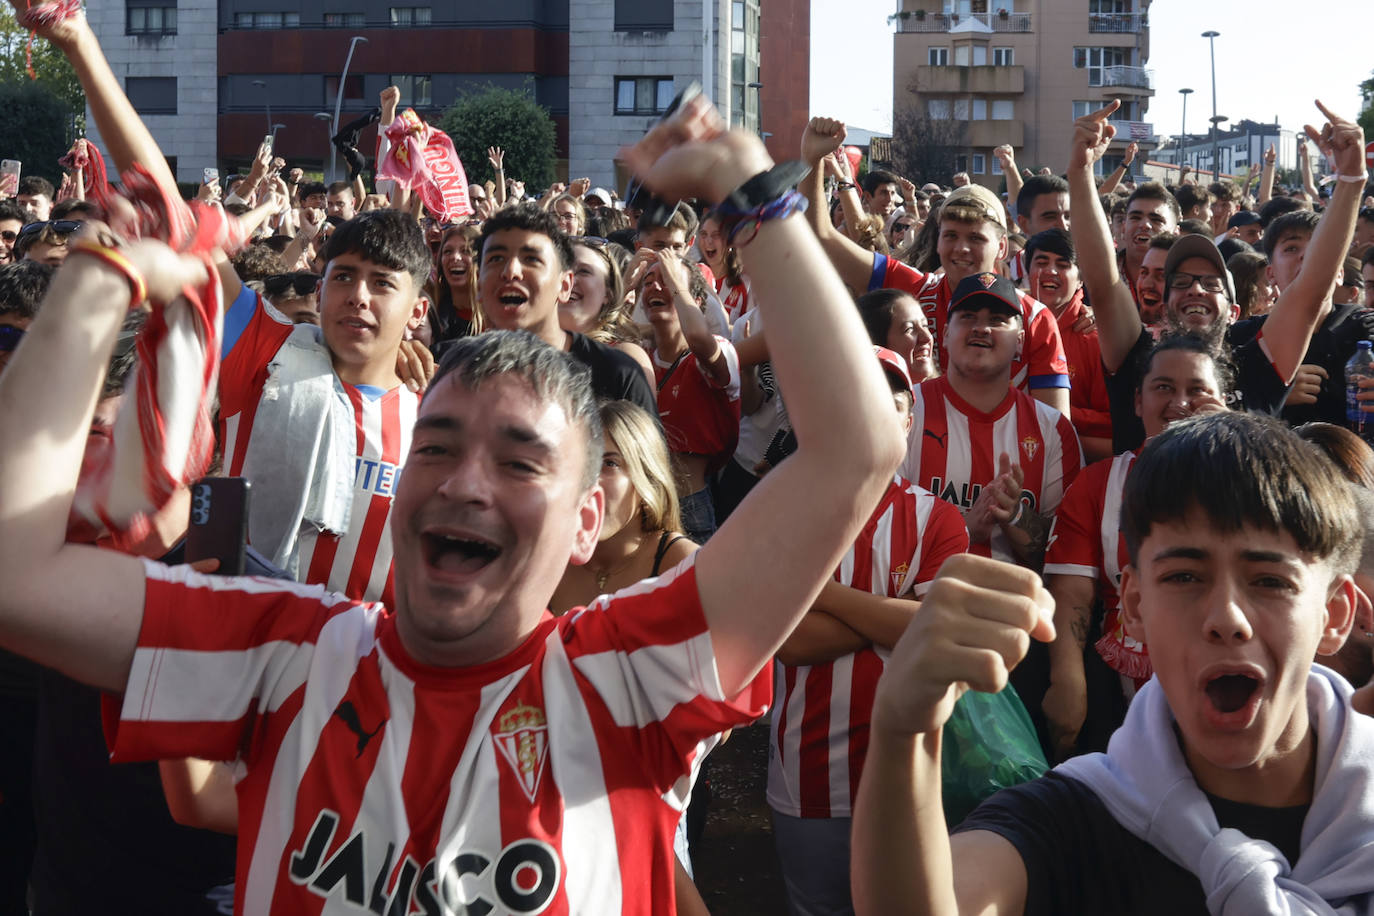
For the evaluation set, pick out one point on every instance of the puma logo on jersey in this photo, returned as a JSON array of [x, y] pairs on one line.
[[348, 714], [522, 878], [938, 438]]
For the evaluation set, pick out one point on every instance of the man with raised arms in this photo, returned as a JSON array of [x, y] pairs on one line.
[[467, 750]]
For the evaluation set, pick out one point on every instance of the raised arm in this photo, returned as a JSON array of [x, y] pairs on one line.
[[855, 265], [974, 626], [1266, 185], [1118, 319], [1309, 185], [76, 609], [695, 329], [1114, 179], [121, 129], [1006, 155], [1300, 307], [753, 592]]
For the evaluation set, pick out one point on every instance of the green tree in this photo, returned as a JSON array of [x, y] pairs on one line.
[[60, 88], [510, 119], [35, 125]]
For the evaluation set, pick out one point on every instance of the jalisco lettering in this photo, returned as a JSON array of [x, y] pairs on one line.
[[522, 878]]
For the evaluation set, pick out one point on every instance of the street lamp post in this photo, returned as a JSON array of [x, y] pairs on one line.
[[275, 128], [326, 119], [1211, 36], [338, 104], [1183, 127], [1217, 121], [267, 101], [758, 103]]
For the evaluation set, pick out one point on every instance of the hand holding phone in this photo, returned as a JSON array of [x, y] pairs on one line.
[[9, 178], [219, 523]]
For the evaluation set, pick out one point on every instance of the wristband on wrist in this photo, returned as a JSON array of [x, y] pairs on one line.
[[741, 229], [763, 188], [1354, 179], [845, 186], [115, 260]]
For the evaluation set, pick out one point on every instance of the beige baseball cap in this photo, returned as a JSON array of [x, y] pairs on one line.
[[980, 198]]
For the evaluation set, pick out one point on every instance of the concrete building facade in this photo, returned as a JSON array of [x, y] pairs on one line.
[[1244, 144], [212, 80], [980, 73], [163, 53]]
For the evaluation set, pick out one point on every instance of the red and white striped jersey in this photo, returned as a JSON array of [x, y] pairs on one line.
[[358, 564], [953, 451], [1087, 542], [736, 298], [548, 781], [819, 732], [1043, 364], [699, 417]]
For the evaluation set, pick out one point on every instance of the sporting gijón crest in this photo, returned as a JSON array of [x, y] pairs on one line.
[[522, 739]]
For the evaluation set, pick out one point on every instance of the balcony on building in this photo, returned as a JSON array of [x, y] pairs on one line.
[[991, 134], [1140, 132], [1118, 23], [960, 15], [1124, 77], [970, 80]]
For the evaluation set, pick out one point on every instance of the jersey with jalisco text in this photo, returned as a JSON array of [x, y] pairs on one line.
[[1043, 364], [819, 732], [953, 451], [358, 563], [548, 781]]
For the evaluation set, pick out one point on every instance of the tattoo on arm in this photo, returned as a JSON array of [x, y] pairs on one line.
[[1078, 625]]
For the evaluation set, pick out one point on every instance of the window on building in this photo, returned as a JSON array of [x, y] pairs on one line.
[[1083, 108], [961, 55], [353, 89], [406, 17], [995, 166], [961, 109], [980, 110], [1003, 57], [979, 164], [642, 95], [938, 57], [1116, 7], [152, 95], [1095, 59], [1003, 110], [961, 163], [980, 56], [744, 63], [343, 20], [937, 109], [643, 15], [415, 90], [158, 18], [276, 20]]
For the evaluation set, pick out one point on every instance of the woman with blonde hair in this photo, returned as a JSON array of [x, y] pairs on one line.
[[570, 212], [641, 532]]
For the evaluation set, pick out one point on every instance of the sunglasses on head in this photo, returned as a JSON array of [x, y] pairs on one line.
[[60, 226], [591, 241], [301, 282], [9, 338]]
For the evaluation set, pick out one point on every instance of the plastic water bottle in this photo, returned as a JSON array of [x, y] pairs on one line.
[[1361, 365]]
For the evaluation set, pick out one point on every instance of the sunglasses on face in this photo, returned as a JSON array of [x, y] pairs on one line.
[[301, 283], [9, 338], [60, 226]]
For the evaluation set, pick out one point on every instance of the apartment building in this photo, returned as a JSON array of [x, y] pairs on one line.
[[1238, 148], [211, 79], [975, 74]]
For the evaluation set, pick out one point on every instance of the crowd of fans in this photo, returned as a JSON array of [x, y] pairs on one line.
[[548, 498]]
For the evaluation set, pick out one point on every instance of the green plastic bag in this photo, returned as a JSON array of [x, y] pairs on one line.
[[989, 744]]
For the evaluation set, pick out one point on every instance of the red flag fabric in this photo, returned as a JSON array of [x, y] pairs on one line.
[[855, 155], [423, 159]]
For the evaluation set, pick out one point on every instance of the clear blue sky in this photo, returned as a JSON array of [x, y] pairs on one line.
[[1311, 56]]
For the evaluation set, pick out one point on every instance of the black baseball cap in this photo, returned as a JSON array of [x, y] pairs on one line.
[[1243, 218], [985, 290]]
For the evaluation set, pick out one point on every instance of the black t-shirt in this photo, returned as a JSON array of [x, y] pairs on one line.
[[1258, 387], [1080, 860], [106, 841], [1333, 343], [615, 375]]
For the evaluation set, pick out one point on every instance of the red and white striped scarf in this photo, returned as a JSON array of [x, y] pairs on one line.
[[164, 435]]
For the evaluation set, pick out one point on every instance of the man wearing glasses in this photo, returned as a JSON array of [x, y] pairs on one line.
[[295, 295], [1199, 295]]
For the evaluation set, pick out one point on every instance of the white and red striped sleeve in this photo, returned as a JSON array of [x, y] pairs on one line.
[[214, 655], [1075, 548], [942, 536], [1063, 457], [646, 652]]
